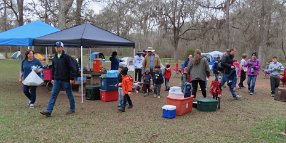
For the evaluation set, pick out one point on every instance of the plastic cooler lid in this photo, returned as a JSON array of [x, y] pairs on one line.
[[206, 100], [169, 107]]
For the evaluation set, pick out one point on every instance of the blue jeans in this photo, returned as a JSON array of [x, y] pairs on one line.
[[251, 80], [55, 92], [157, 89], [30, 92], [225, 78], [120, 97]]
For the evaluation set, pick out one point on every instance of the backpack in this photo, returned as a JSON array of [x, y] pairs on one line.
[[75, 67]]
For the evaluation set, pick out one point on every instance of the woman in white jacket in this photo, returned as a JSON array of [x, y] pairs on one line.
[[138, 62]]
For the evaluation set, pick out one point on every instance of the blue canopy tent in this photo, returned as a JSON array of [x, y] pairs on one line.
[[24, 35], [84, 36]]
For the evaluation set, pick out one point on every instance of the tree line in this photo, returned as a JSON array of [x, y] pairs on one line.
[[172, 27]]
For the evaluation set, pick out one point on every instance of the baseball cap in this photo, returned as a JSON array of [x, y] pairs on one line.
[[59, 44]]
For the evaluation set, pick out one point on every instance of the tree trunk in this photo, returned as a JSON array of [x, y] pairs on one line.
[[227, 28], [64, 7], [20, 4], [78, 12]]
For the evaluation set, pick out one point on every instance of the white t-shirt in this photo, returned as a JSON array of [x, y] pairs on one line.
[[242, 63]]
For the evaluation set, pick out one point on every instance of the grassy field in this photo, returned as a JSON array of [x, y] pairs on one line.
[[253, 119]]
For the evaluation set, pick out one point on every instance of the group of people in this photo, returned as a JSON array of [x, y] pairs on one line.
[[148, 72]]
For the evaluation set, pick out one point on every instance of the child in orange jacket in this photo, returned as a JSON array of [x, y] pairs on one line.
[[127, 89]]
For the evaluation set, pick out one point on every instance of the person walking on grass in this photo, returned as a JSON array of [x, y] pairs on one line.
[[28, 64], [199, 71], [138, 61], [243, 70], [63, 74], [119, 85], [127, 89], [275, 68], [253, 66], [228, 69], [147, 78]]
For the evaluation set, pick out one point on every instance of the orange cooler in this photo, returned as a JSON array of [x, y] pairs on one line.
[[97, 65], [183, 105]]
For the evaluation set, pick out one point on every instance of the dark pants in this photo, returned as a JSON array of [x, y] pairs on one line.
[[146, 87], [242, 78], [138, 74], [167, 83], [274, 82], [30, 92], [157, 89], [126, 99], [195, 87]]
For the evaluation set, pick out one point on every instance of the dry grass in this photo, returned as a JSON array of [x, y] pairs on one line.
[[255, 118]]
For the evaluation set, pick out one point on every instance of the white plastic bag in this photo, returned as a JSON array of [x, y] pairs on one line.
[[32, 79]]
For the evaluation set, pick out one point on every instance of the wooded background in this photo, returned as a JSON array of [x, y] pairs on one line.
[[173, 27]]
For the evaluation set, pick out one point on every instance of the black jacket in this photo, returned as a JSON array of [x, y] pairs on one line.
[[227, 62], [62, 68]]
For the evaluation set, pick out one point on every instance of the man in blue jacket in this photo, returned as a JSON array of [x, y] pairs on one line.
[[63, 74]]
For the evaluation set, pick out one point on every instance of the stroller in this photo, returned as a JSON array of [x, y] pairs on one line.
[[216, 91]]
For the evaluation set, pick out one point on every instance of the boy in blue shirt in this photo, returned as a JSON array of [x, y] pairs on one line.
[[275, 68]]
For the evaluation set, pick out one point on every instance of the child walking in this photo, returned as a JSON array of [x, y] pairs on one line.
[[167, 77], [126, 88], [242, 71], [275, 68], [146, 82], [119, 83], [158, 80]]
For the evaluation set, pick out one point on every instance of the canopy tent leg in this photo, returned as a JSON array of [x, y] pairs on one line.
[[81, 73], [133, 63], [46, 55], [89, 59]]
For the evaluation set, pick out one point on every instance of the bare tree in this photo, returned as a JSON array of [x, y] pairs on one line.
[[64, 7]]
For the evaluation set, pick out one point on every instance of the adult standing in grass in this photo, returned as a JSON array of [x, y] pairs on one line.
[[28, 64], [138, 60], [63, 74], [199, 71], [253, 66], [275, 68]]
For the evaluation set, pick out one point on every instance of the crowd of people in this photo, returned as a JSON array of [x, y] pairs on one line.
[[195, 70]]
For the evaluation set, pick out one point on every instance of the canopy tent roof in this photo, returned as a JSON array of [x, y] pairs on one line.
[[85, 35], [24, 35]]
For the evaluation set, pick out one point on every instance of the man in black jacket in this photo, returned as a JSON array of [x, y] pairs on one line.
[[227, 64], [63, 74]]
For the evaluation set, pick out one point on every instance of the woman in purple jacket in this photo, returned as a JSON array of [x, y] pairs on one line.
[[253, 66]]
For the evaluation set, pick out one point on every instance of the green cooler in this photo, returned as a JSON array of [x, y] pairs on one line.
[[92, 92], [207, 104]]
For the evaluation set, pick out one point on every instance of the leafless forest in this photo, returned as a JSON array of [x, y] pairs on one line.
[[172, 27]]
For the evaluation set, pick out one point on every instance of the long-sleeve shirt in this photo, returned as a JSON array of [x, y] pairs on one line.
[[253, 67], [138, 62], [27, 66], [275, 69]]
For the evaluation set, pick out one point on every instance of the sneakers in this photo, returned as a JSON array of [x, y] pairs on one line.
[[159, 97], [145, 94], [250, 93], [31, 106], [272, 95], [155, 96], [46, 113], [237, 97], [121, 109], [70, 112], [28, 102]]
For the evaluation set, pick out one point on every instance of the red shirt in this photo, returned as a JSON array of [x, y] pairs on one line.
[[168, 73]]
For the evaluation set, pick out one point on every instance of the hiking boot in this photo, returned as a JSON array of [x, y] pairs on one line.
[[31, 106], [130, 106], [70, 112], [46, 113]]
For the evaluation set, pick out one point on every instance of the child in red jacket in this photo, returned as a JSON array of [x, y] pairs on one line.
[[126, 88], [167, 76]]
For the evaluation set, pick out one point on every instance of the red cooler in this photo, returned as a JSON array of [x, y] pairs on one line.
[[183, 105]]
